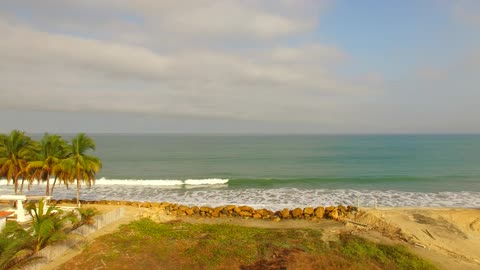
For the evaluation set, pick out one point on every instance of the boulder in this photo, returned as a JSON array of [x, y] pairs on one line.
[[247, 208], [146, 205], [319, 212], [263, 212], [245, 214], [183, 207], [206, 209], [333, 214], [257, 216], [330, 208], [189, 212], [342, 210], [352, 209], [285, 213], [230, 207], [308, 211], [297, 213]]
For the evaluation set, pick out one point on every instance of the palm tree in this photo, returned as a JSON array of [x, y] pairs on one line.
[[48, 225], [16, 149], [16, 247], [53, 149], [62, 173], [82, 167]]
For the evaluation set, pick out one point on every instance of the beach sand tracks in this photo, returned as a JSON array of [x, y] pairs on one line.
[[475, 225], [438, 225]]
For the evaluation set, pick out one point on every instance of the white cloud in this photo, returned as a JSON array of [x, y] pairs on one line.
[[123, 64]]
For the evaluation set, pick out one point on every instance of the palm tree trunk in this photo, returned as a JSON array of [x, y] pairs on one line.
[[53, 185], [21, 187], [78, 191], [78, 186], [47, 190], [15, 179]]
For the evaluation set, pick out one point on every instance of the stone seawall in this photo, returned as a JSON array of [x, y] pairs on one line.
[[309, 213]]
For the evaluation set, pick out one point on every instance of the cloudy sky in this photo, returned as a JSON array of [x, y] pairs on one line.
[[240, 66]]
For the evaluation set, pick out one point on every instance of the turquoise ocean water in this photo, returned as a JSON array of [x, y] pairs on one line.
[[285, 171]]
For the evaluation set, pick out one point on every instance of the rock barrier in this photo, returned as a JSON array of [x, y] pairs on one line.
[[309, 213]]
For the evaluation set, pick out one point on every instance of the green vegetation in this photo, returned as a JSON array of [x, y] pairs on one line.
[[20, 245], [86, 217], [145, 244], [22, 158], [48, 225], [16, 247]]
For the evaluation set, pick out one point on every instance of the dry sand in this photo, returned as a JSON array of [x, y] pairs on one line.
[[450, 238]]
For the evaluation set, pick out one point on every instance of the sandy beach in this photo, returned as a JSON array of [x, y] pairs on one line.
[[449, 238]]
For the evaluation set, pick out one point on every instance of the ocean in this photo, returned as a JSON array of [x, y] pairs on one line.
[[278, 171]]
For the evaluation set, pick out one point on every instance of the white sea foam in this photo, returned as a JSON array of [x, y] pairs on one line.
[[274, 199], [148, 182], [209, 181], [139, 182]]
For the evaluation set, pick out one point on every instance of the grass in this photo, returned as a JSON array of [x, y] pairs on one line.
[[145, 244]]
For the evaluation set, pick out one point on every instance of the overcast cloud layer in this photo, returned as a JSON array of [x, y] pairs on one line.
[[233, 66]]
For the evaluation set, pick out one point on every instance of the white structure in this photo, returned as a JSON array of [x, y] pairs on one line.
[[19, 211]]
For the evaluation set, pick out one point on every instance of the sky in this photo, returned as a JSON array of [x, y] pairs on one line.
[[240, 66]]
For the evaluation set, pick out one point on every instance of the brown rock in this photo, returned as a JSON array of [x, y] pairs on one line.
[[319, 212], [308, 211], [352, 209], [333, 214], [342, 210], [146, 205], [245, 214], [189, 212], [263, 212], [183, 207], [285, 213], [237, 210], [218, 209], [297, 213], [206, 209], [165, 204], [257, 216], [247, 208], [330, 208], [230, 207]]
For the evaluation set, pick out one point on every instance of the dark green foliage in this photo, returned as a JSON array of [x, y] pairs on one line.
[[48, 225], [16, 246]]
